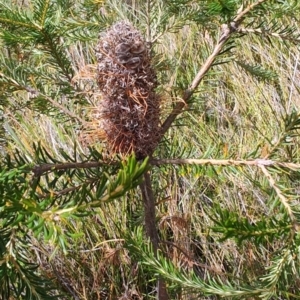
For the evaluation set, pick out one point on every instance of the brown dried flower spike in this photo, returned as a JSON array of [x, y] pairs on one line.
[[129, 110]]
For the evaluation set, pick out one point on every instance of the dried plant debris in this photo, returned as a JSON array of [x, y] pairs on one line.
[[128, 112]]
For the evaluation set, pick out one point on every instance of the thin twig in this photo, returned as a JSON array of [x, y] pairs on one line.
[[64, 109], [225, 162], [240, 16], [34, 93], [192, 261], [279, 193], [97, 247], [148, 20], [39, 170], [268, 33], [65, 191]]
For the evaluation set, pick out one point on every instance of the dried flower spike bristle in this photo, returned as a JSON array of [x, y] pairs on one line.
[[129, 109]]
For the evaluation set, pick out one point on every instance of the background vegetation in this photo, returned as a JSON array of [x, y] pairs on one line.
[[225, 175]]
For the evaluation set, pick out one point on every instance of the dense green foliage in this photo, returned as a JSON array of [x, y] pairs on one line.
[[72, 214]]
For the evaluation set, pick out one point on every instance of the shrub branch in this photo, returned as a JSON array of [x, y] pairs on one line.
[[40, 170], [263, 32], [226, 32], [224, 162], [279, 193], [150, 226]]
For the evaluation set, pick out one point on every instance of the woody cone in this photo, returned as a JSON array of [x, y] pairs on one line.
[[128, 112]]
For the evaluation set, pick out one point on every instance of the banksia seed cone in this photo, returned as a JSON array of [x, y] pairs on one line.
[[129, 110]]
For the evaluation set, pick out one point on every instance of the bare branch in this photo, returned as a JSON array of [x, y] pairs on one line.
[[225, 162], [151, 229], [241, 15], [226, 31], [189, 91], [39, 170], [268, 33], [279, 193]]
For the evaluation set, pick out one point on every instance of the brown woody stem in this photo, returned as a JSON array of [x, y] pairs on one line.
[[226, 32], [150, 226]]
